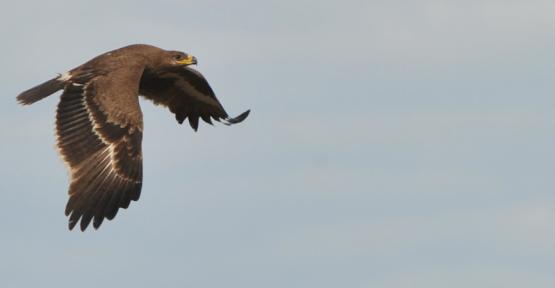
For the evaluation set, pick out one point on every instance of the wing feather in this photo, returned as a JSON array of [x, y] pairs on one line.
[[104, 158], [187, 94]]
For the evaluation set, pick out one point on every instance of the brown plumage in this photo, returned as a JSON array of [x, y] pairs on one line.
[[99, 123]]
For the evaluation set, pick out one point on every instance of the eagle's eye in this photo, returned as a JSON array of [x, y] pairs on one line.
[[178, 57]]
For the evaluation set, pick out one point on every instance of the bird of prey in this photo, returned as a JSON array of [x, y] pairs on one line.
[[99, 124]]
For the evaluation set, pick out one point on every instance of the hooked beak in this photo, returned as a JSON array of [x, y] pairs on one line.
[[189, 60]]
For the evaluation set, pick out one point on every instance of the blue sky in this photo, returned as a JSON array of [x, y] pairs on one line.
[[391, 144]]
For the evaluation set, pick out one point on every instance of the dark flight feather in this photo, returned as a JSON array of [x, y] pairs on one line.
[[187, 94], [105, 160]]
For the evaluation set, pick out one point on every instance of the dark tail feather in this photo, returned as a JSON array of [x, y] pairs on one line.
[[40, 91], [238, 119]]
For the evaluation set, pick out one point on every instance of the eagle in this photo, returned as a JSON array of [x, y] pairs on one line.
[[99, 123]]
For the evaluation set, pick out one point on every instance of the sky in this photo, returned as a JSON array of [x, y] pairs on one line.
[[391, 144]]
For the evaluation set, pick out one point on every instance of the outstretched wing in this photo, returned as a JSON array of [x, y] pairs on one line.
[[187, 94], [102, 147]]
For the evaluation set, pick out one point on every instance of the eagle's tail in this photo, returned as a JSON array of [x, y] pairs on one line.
[[41, 91]]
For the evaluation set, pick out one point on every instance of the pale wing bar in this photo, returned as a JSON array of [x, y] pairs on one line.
[[105, 159]]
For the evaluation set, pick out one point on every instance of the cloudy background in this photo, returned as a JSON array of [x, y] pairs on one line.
[[391, 144]]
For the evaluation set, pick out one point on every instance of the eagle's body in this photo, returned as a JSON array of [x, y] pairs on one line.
[[99, 122]]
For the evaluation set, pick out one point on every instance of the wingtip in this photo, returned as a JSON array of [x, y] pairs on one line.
[[71, 225], [237, 119]]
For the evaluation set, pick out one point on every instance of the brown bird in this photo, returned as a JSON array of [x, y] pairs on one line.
[[99, 123]]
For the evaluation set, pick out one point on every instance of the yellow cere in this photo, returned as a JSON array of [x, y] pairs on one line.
[[187, 60]]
